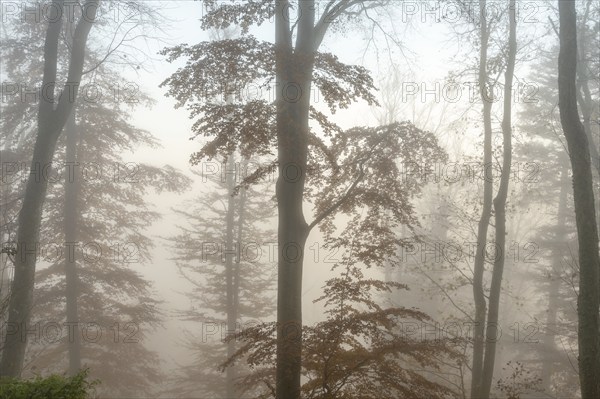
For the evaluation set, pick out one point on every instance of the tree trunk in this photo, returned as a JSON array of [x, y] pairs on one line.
[[71, 245], [294, 75], [51, 120], [500, 210], [482, 228], [21, 299], [587, 231]]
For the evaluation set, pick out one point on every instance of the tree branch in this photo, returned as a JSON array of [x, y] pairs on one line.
[[67, 100], [339, 202]]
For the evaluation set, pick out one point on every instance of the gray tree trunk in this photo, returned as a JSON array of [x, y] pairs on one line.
[[500, 210], [484, 221], [587, 231], [294, 76]]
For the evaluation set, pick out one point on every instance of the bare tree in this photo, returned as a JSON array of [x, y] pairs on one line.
[[500, 208], [486, 211]]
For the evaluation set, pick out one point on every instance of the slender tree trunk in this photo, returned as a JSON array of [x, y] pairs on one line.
[[71, 244], [548, 365], [482, 228], [500, 210], [51, 120], [294, 76], [587, 231], [230, 253]]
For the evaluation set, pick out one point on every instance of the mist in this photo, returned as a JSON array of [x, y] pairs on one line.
[[300, 199]]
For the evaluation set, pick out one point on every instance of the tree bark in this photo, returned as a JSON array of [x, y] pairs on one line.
[[500, 210], [51, 120], [484, 220], [294, 71], [587, 231]]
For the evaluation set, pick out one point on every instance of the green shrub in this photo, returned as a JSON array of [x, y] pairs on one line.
[[52, 387]]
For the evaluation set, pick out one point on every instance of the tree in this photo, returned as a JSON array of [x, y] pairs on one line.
[[588, 303], [484, 348], [51, 120], [105, 243], [295, 67], [361, 350], [224, 250], [540, 122], [109, 248], [479, 327], [500, 207]]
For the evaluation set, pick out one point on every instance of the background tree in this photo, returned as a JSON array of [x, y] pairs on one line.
[[51, 120], [539, 124], [224, 250], [105, 243]]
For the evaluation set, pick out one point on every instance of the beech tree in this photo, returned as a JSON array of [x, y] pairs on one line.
[[295, 68], [52, 117], [361, 350], [588, 303]]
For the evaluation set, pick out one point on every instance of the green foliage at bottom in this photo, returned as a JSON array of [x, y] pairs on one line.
[[51, 387]]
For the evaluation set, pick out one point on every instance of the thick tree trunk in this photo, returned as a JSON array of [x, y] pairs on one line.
[[51, 120], [294, 76], [71, 245], [548, 365], [484, 221], [500, 210], [587, 231], [21, 299]]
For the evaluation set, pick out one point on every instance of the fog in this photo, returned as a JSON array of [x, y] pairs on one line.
[[300, 199]]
